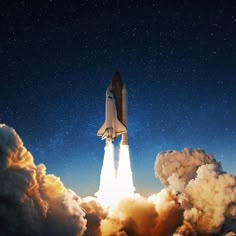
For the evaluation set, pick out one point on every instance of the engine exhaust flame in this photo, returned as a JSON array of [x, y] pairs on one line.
[[107, 189], [115, 184], [125, 187]]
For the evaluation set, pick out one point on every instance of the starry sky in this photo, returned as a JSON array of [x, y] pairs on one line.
[[177, 58]]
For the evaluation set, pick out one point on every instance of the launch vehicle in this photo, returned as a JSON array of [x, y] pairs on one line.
[[115, 111]]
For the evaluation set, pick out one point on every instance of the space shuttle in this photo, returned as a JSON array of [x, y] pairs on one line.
[[115, 112]]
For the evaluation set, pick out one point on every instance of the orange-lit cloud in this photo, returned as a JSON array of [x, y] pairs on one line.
[[33, 203], [206, 193], [199, 199]]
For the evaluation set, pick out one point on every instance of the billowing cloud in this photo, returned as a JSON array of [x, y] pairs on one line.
[[200, 199], [205, 192], [211, 199], [176, 169], [33, 203], [158, 215], [95, 213]]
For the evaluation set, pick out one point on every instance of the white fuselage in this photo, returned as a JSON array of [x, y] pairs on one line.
[[111, 115], [112, 127]]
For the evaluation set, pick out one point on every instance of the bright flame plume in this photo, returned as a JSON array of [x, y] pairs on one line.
[[107, 188], [115, 184], [124, 179]]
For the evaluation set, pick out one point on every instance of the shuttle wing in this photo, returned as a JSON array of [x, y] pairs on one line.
[[120, 128], [102, 130]]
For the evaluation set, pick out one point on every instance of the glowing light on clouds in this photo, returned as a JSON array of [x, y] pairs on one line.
[[200, 198]]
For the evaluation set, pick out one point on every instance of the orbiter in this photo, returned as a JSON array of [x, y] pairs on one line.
[[116, 111]]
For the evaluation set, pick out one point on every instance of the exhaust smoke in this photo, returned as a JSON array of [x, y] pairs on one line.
[[199, 198]]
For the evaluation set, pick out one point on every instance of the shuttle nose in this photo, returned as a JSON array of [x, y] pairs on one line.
[[109, 94]]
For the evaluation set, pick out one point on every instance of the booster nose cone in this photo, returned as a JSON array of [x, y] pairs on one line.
[[124, 89]]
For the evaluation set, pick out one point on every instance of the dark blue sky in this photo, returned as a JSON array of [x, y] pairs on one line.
[[178, 61]]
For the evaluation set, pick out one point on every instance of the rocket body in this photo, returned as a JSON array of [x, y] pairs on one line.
[[116, 180], [116, 112]]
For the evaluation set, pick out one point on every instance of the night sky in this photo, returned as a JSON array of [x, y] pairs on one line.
[[177, 58]]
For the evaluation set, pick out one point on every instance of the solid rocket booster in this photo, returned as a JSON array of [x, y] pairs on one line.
[[116, 111], [124, 140]]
